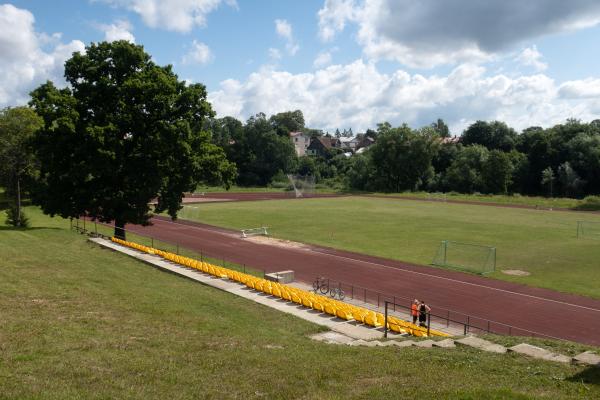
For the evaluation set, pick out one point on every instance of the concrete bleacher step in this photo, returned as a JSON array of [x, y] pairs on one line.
[[481, 344], [445, 344], [587, 358], [425, 343], [539, 353]]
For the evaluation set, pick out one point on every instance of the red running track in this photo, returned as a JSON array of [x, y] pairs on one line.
[[543, 311]]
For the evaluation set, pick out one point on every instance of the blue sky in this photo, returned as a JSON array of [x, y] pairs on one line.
[[344, 63]]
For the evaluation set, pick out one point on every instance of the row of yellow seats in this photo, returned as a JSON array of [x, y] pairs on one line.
[[306, 298]]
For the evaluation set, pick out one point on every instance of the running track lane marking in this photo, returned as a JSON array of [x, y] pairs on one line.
[[416, 272]]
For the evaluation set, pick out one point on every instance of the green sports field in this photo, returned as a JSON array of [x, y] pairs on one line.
[[78, 322], [542, 243]]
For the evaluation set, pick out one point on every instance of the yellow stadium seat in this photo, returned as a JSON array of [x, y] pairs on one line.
[[296, 298], [344, 314], [307, 302], [329, 309]]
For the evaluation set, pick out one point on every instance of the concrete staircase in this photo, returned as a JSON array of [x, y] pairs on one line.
[[586, 358]]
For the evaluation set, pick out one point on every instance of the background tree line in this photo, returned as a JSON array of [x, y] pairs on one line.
[[489, 157]]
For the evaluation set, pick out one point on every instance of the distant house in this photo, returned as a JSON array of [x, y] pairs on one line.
[[448, 140], [349, 143], [320, 145], [364, 141], [300, 141]]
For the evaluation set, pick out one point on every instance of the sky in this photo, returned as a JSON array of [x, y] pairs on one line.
[[344, 63]]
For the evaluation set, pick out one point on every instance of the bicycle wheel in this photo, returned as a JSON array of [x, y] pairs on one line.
[[324, 288], [341, 294], [333, 292], [316, 285]]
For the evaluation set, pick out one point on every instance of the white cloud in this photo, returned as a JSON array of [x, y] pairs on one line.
[[581, 89], [360, 96], [432, 32], [333, 17], [322, 59], [199, 54], [119, 30], [28, 58], [172, 15], [274, 54], [531, 57], [284, 30]]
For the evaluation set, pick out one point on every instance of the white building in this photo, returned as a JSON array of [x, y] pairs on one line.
[[300, 141]]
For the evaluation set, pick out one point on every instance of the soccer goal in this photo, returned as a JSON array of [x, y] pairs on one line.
[[470, 257], [303, 185], [588, 229]]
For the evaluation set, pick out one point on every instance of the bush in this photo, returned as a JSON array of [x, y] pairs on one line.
[[11, 217], [590, 203]]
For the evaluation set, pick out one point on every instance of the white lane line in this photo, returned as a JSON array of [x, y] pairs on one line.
[[419, 273]]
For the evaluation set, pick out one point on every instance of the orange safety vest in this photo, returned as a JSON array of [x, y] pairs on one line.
[[414, 310]]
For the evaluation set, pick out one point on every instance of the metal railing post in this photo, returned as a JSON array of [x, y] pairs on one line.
[[428, 323], [385, 321], [352, 292], [177, 252], [365, 295], [448, 319], [377, 299]]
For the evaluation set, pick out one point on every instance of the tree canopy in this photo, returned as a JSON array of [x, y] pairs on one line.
[[125, 132], [18, 166]]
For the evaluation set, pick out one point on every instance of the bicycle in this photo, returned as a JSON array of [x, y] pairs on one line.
[[321, 285], [337, 292]]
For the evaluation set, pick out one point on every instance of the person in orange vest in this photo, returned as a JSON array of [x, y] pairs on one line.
[[414, 310]]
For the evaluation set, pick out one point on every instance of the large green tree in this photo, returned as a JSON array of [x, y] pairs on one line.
[[494, 135], [17, 161], [260, 153], [401, 158], [125, 132]]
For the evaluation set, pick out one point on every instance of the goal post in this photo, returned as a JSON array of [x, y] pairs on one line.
[[303, 185], [470, 257], [588, 229]]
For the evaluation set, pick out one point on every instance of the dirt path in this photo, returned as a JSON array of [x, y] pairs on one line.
[[551, 313]]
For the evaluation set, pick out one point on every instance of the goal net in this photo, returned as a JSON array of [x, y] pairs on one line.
[[470, 257], [303, 185], [588, 229]]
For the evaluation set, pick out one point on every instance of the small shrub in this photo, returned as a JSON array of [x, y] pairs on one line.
[[590, 203], [11, 218]]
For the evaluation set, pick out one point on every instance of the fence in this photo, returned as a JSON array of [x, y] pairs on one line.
[[99, 229], [452, 319]]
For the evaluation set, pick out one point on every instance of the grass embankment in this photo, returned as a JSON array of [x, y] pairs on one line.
[[81, 322], [543, 243]]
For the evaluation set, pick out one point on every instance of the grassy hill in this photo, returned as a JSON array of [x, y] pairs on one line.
[[80, 322]]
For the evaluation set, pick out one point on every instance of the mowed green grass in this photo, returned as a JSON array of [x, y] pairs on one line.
[[81, 322], [543, 243]]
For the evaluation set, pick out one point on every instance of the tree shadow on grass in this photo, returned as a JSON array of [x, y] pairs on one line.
[[590, 375]]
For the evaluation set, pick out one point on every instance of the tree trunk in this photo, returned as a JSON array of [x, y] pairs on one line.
[[120, 229], [18, 200]]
